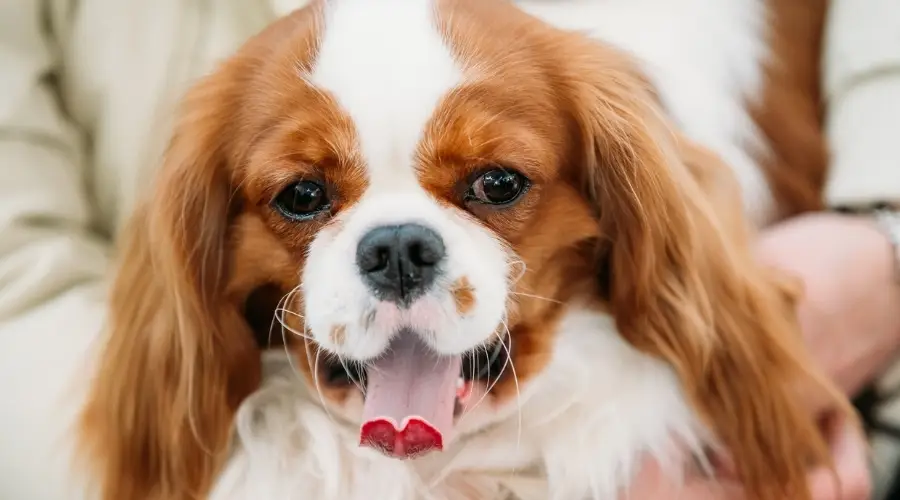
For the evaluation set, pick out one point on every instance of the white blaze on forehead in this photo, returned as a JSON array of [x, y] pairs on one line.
[[386, 64]]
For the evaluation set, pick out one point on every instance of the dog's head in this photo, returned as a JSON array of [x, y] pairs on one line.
[[417, 191]]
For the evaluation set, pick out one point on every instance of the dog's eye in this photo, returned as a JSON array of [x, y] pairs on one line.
[[498, 186], [302, 200]]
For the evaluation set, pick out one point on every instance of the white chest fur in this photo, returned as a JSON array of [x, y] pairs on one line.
[[582, 426]]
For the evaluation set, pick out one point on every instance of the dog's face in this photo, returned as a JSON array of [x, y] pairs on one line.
[[420, 182], [417, 192]]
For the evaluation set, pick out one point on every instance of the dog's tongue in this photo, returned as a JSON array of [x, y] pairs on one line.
[[410, 399]]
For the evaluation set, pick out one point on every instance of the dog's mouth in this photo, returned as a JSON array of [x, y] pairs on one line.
[[412, 396], [484, 364]]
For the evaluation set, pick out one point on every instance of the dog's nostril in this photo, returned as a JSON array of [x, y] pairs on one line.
[[423, 247], [414, 251], [381, 259], [425, 254], [399, 262], [373, 258]]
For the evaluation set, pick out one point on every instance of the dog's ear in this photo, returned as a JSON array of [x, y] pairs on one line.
[[682, 281], [178, 357]]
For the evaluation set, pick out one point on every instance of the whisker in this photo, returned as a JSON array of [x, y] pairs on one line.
[[315, 371], [495, 379], [295, 332], [282, 307], [529, 295], [487, 358], [467, 411], [475, 368], [284, 340], [515, 279], [293, 313], [307, 342], [512, 366], [275, 319], [290, 357], [505, 363], [357, 383]]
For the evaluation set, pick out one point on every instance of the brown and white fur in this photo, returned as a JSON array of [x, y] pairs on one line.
[[622, 282]]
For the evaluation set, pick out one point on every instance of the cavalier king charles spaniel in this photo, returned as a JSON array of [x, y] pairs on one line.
[[445, 250]]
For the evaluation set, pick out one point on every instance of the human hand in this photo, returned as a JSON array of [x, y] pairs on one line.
[[849, 450], [850, 310], [850, 318]]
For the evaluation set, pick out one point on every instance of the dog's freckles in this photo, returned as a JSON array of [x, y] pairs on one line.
[[338, 335], [463, 295]]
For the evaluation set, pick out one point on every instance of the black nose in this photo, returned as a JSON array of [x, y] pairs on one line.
[[399, 262]]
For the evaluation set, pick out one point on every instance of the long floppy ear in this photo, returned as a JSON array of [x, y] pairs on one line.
[[683, 283], [177, 358]]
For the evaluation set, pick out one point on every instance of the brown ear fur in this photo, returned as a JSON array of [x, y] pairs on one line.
[[789, 112], [685, 286], [178, 357]]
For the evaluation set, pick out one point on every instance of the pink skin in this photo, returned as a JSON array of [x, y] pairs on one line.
[[420, 316], [851, 319], [411, 397], [849, 451]]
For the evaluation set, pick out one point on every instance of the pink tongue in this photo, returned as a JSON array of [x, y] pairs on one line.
[[410, 399]]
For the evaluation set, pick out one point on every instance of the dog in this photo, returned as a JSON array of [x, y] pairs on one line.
[[503, 258]]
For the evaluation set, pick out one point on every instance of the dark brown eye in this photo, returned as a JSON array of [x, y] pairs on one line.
[[302, 200], [497, 186]]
